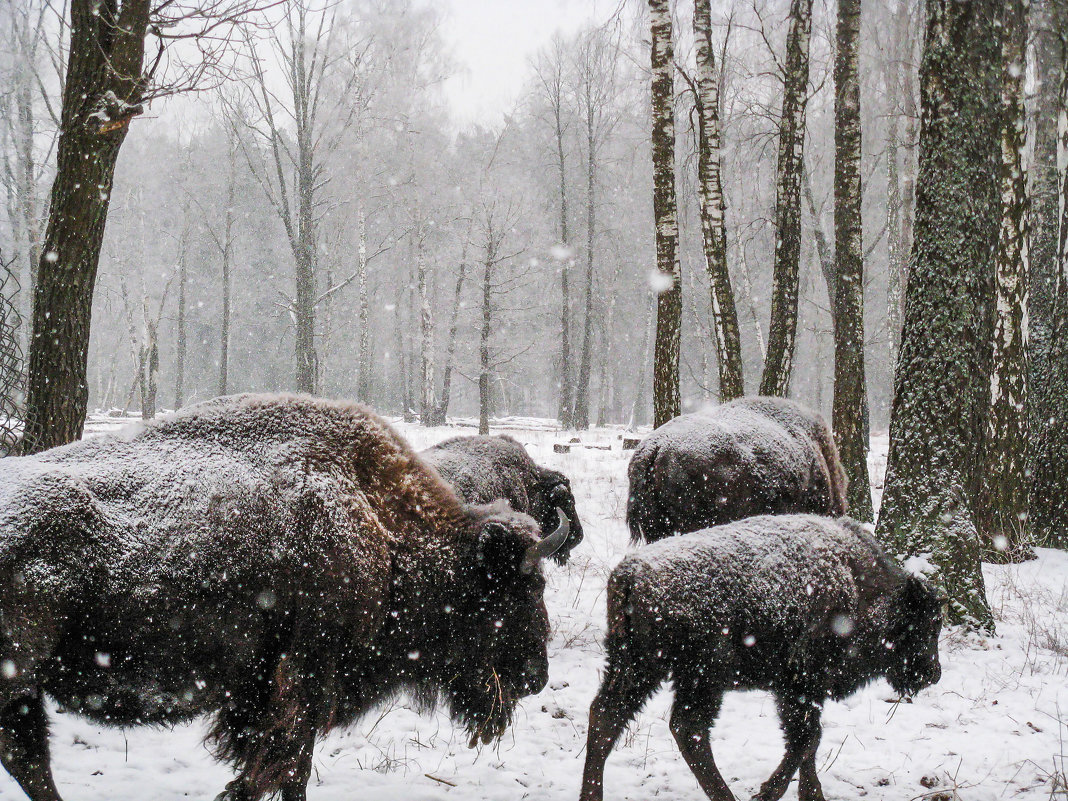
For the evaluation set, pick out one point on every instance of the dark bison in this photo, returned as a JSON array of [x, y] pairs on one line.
[[805, 607], [281, 563], [483, 469], [751, 456]]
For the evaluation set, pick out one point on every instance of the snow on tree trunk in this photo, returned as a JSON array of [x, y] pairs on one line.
[[1049, 501], [566, 409], [10, 357], [227, 256], [180, 343], [1003, 510], [581, 411], [101, 94], [484, 389], [783, 330], [942, 384], [713, 225], [849, 420], [666, 401], [442, 410]]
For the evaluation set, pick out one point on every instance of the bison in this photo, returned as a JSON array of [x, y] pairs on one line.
[[805, 607], [751, 456], [483, 469], [282, 564]]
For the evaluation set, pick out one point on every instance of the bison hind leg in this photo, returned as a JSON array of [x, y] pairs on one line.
[[24, 746], [694, 711], [800, 718]]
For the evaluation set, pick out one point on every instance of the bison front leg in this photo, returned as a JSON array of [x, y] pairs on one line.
[[692, 716], [800, 719], [24, 746]]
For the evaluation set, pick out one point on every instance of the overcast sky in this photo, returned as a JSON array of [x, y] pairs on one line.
[[493, 41]]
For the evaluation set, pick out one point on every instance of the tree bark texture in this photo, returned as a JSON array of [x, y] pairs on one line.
[[713, 224], [1049, 501], [426, 330], [102, 92], [363, 378], [850, 388], [942, 385], [484, 398], [666, 400], [581, 411], [1003, 512], [783, 330]]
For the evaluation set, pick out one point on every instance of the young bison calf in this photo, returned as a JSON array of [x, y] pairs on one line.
[[805, 607]]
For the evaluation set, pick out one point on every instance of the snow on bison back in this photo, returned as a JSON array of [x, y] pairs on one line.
[[748, 457], [280, 563], [805, 607]]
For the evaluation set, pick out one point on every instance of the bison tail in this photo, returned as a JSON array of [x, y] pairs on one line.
[[643, 508], [836, 477]]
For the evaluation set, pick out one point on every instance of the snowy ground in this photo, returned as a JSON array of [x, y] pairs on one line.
[[996, 727]]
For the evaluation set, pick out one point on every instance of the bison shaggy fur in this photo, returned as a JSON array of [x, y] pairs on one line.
[[748, 457], [805, 607], [282, 564], [483, 469]]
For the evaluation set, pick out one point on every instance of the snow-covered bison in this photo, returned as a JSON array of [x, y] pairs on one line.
[[280, 563], [483, 469], [751, 456], [805, 607]]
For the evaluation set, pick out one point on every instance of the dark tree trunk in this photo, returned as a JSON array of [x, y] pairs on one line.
[[1002, 513], [566, 409], [713, 225], [849, 420], [363, 378], [101, 94], [581, 411], [227, 255], [484, 399], [942, 385], [783, 330], [666, 401]]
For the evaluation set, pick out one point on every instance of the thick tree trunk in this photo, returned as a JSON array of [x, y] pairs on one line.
[[1049, 501], [101, 94], [940, 406], [713, 225], [1003, 512], [581, 412], [442, 411], [849, 420], [227, 251], [566, 407], [783, 330], [666, 400]]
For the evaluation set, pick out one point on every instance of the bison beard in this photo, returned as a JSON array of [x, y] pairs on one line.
[[483, 469], [282, 563], [804, 607], [751, 456]]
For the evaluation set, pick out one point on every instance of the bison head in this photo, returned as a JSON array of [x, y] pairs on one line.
[[556, 498], [502, 653], [911, 640]]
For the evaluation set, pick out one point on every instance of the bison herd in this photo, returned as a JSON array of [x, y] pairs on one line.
[[284, 564]]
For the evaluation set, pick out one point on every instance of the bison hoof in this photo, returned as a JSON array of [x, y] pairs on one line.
[[235, 791]]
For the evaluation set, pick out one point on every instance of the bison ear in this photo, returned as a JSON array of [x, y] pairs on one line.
[[921, 598]]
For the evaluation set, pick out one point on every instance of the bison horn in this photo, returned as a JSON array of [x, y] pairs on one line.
[[548, 545]]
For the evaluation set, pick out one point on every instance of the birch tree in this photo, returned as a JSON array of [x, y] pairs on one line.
[[713, 225], [942, 386], [849, 419], [783, 330], [1003, 509], [668, 282]]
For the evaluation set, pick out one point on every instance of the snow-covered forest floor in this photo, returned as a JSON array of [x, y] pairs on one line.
[[995, 727]]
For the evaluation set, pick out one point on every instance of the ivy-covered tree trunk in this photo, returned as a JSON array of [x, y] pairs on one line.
[[849, 420], [666, 401], [713, 225], [942, 382], [1003, 512], [1049, 501], [783, 330], [101, 94]]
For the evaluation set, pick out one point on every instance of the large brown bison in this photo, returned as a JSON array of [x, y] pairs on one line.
[[280, 563], [483, 469], [805, 607], [748, 457]]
